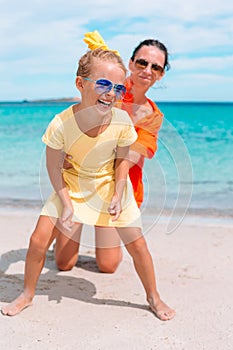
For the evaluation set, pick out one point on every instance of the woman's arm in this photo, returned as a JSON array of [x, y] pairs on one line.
[[135, 158], [121, 173], [53, 163]]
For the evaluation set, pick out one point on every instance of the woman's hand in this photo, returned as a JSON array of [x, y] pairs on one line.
[[65, 162]]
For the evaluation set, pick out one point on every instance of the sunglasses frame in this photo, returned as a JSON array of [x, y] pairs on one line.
[[141, 64], [119, 94]]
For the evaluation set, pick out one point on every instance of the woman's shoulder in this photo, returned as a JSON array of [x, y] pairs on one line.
[[154, 107]]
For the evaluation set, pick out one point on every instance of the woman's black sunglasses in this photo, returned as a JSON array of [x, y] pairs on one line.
[[142, 64]]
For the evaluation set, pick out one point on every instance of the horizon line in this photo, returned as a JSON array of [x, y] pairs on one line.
[[77, 99]]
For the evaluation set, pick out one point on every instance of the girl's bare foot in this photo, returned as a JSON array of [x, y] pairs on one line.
[[17, 305], [161, 310]]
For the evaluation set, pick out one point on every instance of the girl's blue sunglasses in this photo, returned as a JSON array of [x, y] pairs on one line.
[[105, 85]]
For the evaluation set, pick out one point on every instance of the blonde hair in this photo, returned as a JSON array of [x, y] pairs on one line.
[[86, 61]]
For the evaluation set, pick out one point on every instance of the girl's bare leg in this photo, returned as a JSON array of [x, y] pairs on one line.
[[136, 246], [108, 249], [40, 241]]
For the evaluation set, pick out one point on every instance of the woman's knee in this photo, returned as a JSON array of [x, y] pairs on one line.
[[107, 267], [107, 263], [65, 265]]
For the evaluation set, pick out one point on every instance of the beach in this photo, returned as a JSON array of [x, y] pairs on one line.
[[188, 224], [84, 309]]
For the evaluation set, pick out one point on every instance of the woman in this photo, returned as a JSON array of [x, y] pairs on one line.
[[147, 65]]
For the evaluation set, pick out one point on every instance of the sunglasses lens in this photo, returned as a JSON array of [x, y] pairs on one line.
[[157, 68], [141, 64], [103, 85], [119, 90]]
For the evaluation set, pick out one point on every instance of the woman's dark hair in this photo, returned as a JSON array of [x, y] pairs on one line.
[[153, 42]]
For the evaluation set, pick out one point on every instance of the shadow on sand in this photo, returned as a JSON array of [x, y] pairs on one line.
[[54, 283]]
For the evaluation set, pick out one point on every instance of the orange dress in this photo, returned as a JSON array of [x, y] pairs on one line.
[[147, 128]]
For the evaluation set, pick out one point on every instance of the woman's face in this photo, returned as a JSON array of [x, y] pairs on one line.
[[145, 76], [92, 94]]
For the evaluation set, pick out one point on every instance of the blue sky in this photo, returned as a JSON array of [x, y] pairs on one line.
[[42, 40]]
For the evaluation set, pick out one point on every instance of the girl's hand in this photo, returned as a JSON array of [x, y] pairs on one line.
[[114, 208], [66, 219]]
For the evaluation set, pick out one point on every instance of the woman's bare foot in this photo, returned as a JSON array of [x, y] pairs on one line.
[[161, 310], [17, 305]]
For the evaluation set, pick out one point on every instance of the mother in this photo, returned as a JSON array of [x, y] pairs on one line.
[[147, 65]]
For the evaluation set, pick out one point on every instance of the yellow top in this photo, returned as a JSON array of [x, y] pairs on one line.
[[91, 181]]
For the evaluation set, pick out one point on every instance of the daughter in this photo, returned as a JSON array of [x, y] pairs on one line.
[[96, 190]]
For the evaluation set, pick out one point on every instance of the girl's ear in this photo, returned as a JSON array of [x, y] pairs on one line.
[[79, 83]]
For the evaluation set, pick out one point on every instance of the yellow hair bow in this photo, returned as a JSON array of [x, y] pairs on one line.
[[94, 41]]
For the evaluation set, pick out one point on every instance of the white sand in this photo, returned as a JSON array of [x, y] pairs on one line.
[[84, 309]]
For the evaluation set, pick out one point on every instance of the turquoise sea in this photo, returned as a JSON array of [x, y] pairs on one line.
[[192, 170]]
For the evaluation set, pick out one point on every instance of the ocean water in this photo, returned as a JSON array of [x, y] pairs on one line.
[[192, 169]]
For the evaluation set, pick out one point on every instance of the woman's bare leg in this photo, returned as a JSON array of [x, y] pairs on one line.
[[66, 249], [108, 249], [136, 246]]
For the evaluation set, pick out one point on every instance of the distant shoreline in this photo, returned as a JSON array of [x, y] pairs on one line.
[[77, 99], [51, 100], [65, 99]]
